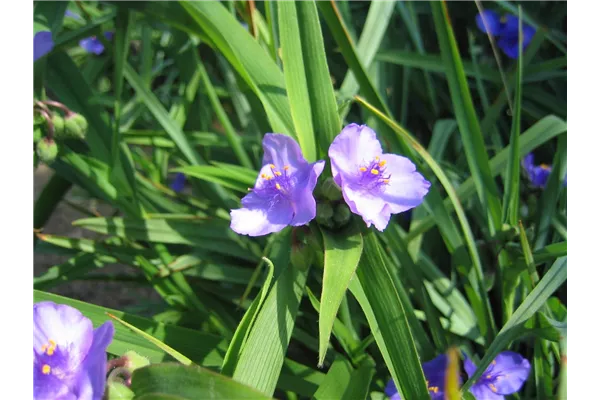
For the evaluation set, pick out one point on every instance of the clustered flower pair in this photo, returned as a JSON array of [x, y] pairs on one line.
[[505, 375], [69, 355], [374, 185]]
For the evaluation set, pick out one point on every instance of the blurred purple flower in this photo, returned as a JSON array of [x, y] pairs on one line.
[[538, 174], [283, 192], [42, 44], [178, 183], [374, 185], [435, 374], [505, 375], [69, 356], [71, 14], [93, 44], [506, 28]]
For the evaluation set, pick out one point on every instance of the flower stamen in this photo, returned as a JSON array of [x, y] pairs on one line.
[[362, 169], [494, 388], [46, 369], [374, 171]]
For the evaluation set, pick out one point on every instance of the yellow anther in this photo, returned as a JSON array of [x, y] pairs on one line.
[[44, 347], [50, 351], [362, 169], [46, 369], [386, 181], [264, 176], [269, 178], [374, 171], [434, 389], [272, 166], [52, 342], [285, 168], [494, 388], [488, 377], [277, 173], [377, 158], [545, 166], [382, 163], [278, 186]]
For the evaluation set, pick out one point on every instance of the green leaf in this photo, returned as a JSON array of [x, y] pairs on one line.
[[210, 234], [466, 117], [549, 283], [262, 356], [344, 382], [175, 381], [305, 56], [248, 58], [245, 325], [342, 254], [388, 321], [167, 349], [510, 209], [221, 176]]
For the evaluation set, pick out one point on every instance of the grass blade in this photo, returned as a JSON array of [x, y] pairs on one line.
[[342, 254]]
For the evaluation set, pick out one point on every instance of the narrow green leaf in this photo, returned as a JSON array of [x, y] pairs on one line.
[[262, 356], [174, 381], [342, 254], [167, 349], [510, 209], [307, 75], [549, 283], [466, 117], [388, 321], [245, 325]]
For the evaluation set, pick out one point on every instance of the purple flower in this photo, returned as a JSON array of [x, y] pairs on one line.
[[374, 185], [435, 374], [506, 28], [178, 183], [93, 44], [538, 174], [42, 44], [283, 192], [505, 375], [69, 356]]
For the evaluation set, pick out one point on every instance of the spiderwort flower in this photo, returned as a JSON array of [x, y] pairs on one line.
[[178, 183], [93, 44], [538, 174], [374, 185], [283, 192], [506, 28], [435, 374], [69, 356], [42, 44], [505, 375]]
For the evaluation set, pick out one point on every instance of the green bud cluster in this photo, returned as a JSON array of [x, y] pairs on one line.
[[47, 150], [332, 211]]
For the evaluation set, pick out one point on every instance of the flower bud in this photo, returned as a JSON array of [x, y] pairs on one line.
[[325, 214], [73, 128], [59, 125], [330, 190], [47, 150], [342, 214], [37, 134]]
